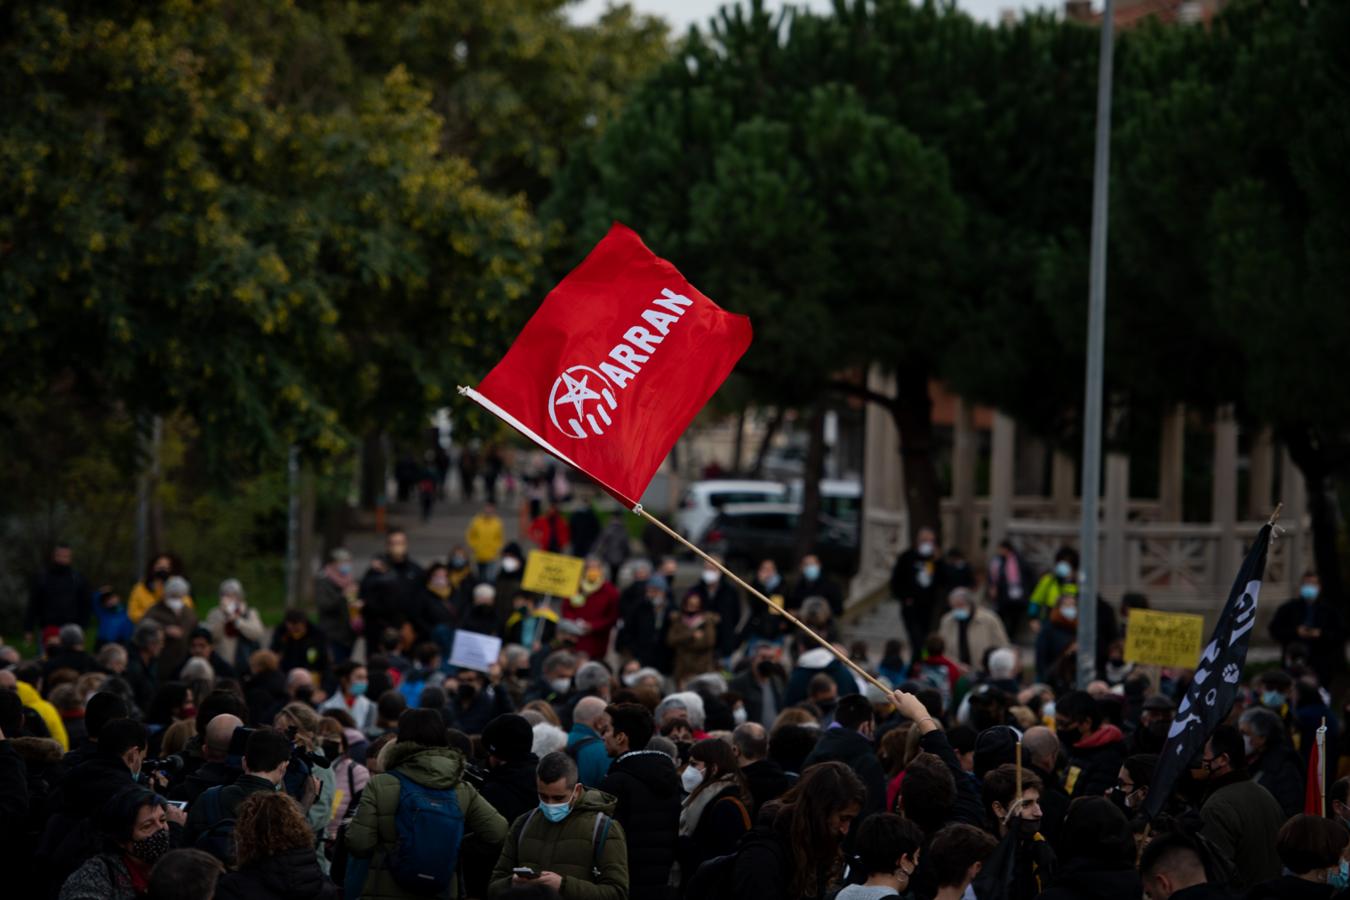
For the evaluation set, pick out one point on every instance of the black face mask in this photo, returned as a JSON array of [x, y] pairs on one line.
[[1069, 737], [466, 692], [332, 749], [766, 668], [523, 674], [161, 574], [1027, 828]]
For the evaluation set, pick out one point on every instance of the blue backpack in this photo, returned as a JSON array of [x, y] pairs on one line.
[[429, 826]]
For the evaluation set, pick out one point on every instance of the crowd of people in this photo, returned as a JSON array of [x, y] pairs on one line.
[[642, 738]]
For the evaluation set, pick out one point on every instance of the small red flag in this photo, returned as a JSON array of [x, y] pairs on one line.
[[615, 364]]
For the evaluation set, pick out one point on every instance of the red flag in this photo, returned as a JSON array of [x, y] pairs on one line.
[[1315, 790], [615, 364]]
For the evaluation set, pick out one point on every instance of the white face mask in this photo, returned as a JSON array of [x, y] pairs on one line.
[[738, 715], [691, 779], [926, 548], [630, 679], [510, 564], [174, 603], [560, 685], [710, 576]]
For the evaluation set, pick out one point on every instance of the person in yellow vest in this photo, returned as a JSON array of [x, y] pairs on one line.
[[150, 589], [29, 697], [486, 538]]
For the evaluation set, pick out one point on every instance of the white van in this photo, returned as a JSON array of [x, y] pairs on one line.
[[703, 499]]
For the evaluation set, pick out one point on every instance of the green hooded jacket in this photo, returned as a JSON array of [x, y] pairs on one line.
[[568, 848], [372, 833]]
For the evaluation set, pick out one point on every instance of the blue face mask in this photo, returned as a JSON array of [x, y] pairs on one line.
[[772, 582], [1308, 592], [555, 812], [961, 615], [1063, 569], [358, 688], [812, 572], [1272, 699], [1341, 877]]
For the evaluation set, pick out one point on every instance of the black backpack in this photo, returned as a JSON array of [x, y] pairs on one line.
[[712, 879], [218, 838]]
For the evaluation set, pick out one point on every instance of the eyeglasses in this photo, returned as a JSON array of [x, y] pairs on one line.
[[1124, 788]]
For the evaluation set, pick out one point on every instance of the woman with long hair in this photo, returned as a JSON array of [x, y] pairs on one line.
[[274, 847], [717, 811], [795, 853]]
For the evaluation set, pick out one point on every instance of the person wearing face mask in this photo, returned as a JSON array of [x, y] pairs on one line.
[[236, 628], [134, 828], [762, 683], [717, 595], [438, 614], [532, 625], [475, 702], [486, 536], [506, 580], [648, 795], [1096, 749], [766, 624], [969, 629], [353, 682], [812, 582], [887, 852], [570, 837], [644, 628], [387, 586], [594, 608], [1131, 787], [335, 599], [692, 637], [1241, 818], [1312, 850], [916, 582], [1272, 762], [421, 755], [1155, 720], [1053, 611], [1313, 620], [1022, 850], [850, 741], [716, 809], [177, 618], [150, 589]]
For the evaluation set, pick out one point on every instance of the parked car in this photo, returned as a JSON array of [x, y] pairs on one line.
[[746, 533], [840, 499], [703, 500]]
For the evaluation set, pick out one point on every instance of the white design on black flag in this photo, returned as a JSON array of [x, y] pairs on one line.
[[1217, 673]]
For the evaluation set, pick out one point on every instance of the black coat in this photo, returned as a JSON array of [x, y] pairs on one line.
[[1094, 769], [768, 781], [724, 600], [207, 775], [292, 875], [967, 807], [855, 751], [1085, 880], [1290, 887], [752, 693], [1327, 652], [648, 793], [644, 635], [1279, 769], [511, 788], [764, 865], [822, 587], [1054, 805], [58, 596]]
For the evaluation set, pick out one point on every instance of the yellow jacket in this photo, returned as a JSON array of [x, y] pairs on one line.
[[485, 537], [50, 717], [142, 598]]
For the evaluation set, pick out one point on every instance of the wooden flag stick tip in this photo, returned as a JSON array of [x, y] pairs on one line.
[[1275, 516]]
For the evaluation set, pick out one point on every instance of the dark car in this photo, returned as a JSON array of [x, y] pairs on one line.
[[745, 533]]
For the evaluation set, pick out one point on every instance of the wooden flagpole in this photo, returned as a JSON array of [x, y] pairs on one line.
[[1017, 792], [1322, 767], [857, 669]]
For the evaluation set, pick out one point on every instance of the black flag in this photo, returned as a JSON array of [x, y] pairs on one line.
[[1210, 696]]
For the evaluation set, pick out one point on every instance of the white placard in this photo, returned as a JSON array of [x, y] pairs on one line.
[[472, 650]]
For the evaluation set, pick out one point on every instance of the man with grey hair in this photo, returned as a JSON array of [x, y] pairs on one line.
[[668, 710], [236, 630], [969, 629], [572, 835], [1272, 762], [143, 665], [70, 654], [1040, 755], [177, 619], [111, 658], [586, 741]]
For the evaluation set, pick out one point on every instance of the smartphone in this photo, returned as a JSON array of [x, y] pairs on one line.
[[524, 872], [177, 804]]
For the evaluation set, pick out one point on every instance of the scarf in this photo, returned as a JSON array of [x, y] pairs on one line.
[[340, 581], [695, 805]]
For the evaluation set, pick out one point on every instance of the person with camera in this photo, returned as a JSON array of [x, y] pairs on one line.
[[415, 816], [267, 754]]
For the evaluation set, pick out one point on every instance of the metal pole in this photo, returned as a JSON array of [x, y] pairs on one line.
[[1089, 573], [293, 526]]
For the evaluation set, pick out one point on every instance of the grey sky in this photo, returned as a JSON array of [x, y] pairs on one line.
[[682, 13]]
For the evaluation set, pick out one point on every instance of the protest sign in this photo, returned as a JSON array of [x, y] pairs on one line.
[[472, 650], [552, 573], [1163, 639]]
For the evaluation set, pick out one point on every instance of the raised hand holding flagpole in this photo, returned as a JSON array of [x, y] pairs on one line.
[[612, 368]]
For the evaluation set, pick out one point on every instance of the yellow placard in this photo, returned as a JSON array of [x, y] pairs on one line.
[[552, 573], [1164, 639]]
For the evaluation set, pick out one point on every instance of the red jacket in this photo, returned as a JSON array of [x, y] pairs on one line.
[[601, 612]]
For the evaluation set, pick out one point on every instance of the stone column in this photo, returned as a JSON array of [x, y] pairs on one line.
[[1115, 519], [1001, 479], [1259, 505], [963, 479], [1062, 480], [1172, 459], [1294, 495], [1223, 504]]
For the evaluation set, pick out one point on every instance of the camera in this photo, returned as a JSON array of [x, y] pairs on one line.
[[167, 765]]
